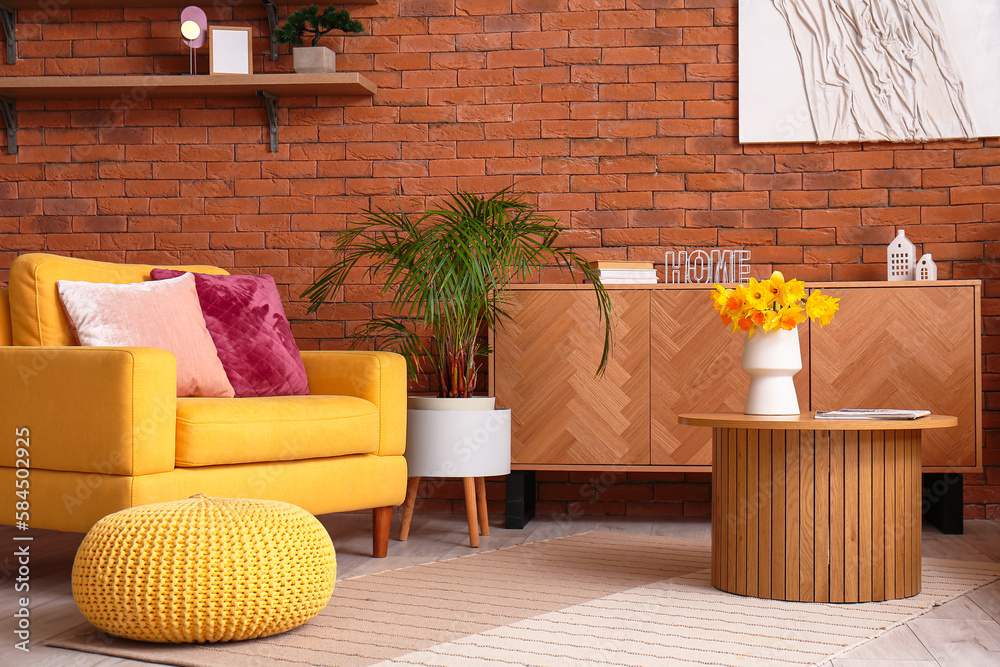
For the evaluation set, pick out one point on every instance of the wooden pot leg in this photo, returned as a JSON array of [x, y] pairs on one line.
[[470, 510], [411, 498], [484, 517]]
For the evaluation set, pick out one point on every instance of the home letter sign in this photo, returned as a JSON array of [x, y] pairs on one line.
[[707, 266]]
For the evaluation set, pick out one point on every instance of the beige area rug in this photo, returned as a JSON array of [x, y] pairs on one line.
[[595, 599]]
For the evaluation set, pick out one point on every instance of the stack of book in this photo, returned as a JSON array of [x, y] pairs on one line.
[[626, 273]]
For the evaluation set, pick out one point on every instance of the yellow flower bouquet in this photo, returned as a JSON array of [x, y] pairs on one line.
[[771, 304]]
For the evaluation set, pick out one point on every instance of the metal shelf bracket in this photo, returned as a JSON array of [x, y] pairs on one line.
[[7, 16], [272, 21], [271, 102], [9, 108]]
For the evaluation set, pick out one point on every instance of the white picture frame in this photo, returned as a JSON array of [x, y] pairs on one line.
[[230, 50]]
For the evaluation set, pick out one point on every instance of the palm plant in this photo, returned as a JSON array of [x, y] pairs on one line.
[[448, 271]]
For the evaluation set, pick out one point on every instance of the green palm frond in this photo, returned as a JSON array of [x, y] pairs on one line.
[[448, 271]]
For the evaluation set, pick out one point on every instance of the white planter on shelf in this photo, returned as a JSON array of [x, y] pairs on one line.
[[772, 359], [313, 60]]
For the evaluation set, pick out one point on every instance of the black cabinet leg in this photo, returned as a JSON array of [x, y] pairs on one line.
[[520, 498], [942, 501]]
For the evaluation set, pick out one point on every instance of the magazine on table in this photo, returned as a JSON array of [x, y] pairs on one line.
[[863, 413]]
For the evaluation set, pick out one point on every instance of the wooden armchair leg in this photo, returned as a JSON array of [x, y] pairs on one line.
[[381, 520]]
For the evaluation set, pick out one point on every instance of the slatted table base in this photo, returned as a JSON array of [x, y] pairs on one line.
[[817, 516]]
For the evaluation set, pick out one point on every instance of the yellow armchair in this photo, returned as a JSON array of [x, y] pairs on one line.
[[107, 432]]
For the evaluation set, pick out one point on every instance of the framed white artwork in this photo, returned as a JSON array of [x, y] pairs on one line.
[[230, 50], [868, 70]]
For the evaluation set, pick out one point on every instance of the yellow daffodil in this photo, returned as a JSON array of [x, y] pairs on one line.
[[719, 297], [790, 317], [787, 293], [776, 284], [770, 320], [795, 291], [735, 302], [759, 297], [820, 307]]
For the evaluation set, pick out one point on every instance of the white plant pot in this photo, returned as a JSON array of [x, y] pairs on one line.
[[772, 359], [457, 443], [313, 60]]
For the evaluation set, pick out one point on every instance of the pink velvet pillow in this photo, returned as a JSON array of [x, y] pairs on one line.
[[248, 324], [164, 315]]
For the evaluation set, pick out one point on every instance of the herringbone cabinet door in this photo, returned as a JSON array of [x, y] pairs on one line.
[[695, 366], [903, 348], [545, 362]]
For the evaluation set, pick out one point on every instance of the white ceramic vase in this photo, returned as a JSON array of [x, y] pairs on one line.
[[456, 437], [772, 359]]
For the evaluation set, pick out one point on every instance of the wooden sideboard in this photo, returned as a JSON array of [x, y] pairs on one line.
[[891, 345]]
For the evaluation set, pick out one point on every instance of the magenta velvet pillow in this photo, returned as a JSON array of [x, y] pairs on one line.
[[245, 317]]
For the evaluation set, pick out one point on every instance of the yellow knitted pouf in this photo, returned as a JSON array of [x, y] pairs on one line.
[[204, 570]]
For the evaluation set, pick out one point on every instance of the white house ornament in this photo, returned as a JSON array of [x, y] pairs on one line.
[[901, 256], [925, 268]]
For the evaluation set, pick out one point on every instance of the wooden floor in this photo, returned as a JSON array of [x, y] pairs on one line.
[[965, 631]]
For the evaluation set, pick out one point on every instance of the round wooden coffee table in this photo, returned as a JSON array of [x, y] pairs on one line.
[[816, 510]]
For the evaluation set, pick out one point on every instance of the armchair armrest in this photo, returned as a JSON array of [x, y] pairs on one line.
[[109, 410], [379, 377]]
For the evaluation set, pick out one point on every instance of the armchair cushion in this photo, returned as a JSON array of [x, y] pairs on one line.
[[379, 377], [248, 324], [216, 431], [164, 314]]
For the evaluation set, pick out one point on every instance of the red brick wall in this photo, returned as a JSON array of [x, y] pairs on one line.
[[619, 114]]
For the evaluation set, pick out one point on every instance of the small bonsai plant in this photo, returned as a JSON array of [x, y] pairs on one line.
[[308, 20], [449, 270]]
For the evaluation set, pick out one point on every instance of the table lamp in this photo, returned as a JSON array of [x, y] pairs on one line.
[[194, 27]]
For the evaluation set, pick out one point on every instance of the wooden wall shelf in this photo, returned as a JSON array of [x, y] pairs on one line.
[[178, 85], [268, 86]]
